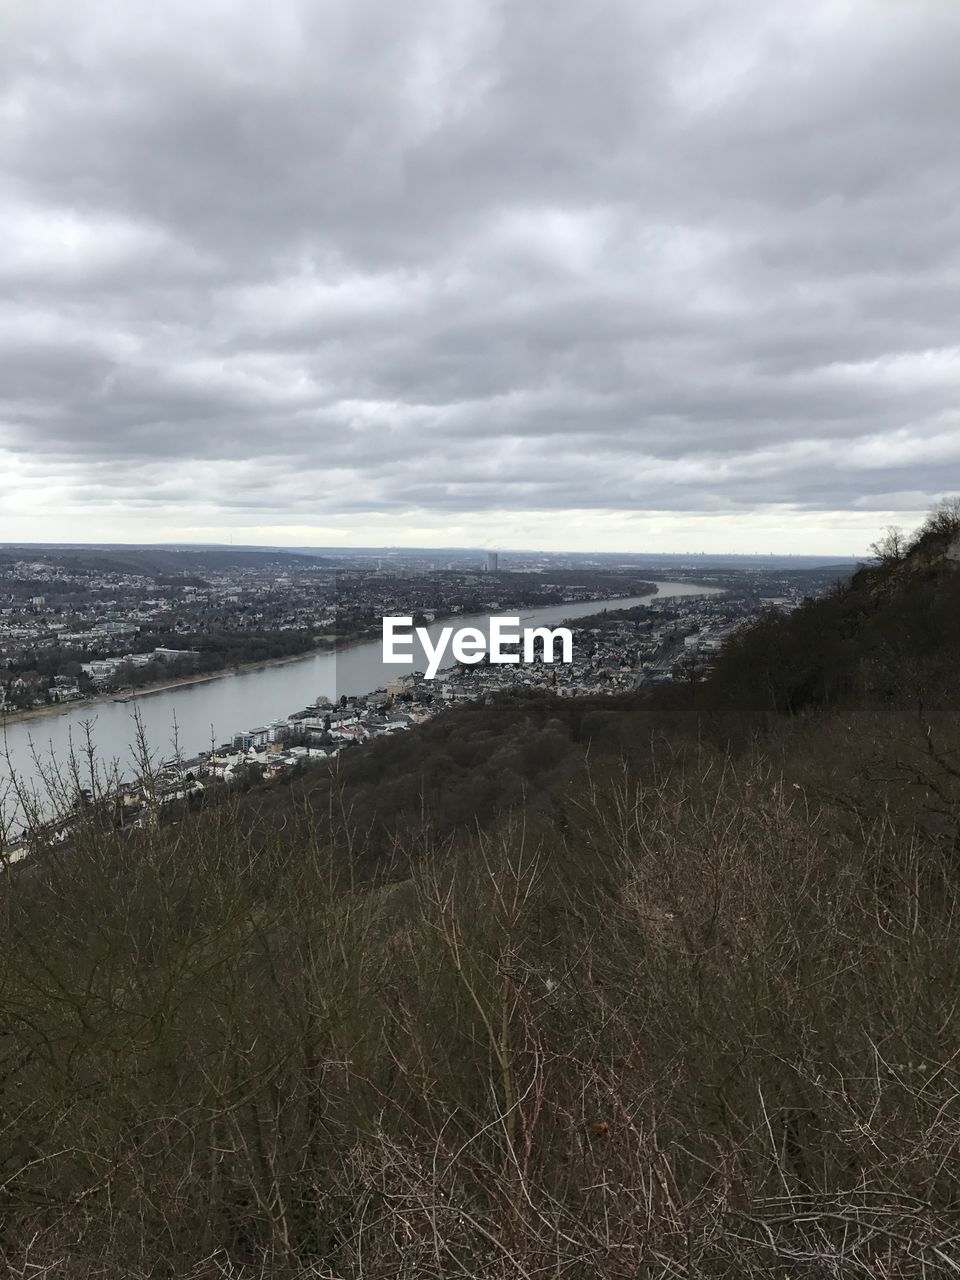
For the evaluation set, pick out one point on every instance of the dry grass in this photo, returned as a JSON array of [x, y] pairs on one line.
[[704, 1030]]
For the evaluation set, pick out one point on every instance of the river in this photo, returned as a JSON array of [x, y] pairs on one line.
[[212, 711]]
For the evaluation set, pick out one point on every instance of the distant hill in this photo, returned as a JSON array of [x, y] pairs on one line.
[[154, 560]]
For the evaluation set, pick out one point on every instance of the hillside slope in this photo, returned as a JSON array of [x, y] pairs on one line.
[[659, 987]]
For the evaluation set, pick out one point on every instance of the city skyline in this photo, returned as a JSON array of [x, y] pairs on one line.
[[481, 554]]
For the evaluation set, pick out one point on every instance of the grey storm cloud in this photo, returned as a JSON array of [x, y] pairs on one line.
[[459, 257]]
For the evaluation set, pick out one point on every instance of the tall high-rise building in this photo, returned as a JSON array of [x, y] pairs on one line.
[[490, 563]]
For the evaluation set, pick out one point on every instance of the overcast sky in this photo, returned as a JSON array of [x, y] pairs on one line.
[[617, 274]]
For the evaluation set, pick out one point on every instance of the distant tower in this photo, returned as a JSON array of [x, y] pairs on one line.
[[490, 564]]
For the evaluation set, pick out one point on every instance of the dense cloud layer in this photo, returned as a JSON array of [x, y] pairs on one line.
[[378, 271]]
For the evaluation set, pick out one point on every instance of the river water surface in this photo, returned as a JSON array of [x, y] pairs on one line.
[[212, 711]]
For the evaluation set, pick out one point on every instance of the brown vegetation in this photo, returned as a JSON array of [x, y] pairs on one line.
[[686, 1009]]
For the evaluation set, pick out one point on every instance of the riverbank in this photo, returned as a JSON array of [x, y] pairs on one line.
[[212, 708], [182, 682], [58, 710]]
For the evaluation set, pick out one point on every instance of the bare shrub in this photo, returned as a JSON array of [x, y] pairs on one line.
[[705, 1030]]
